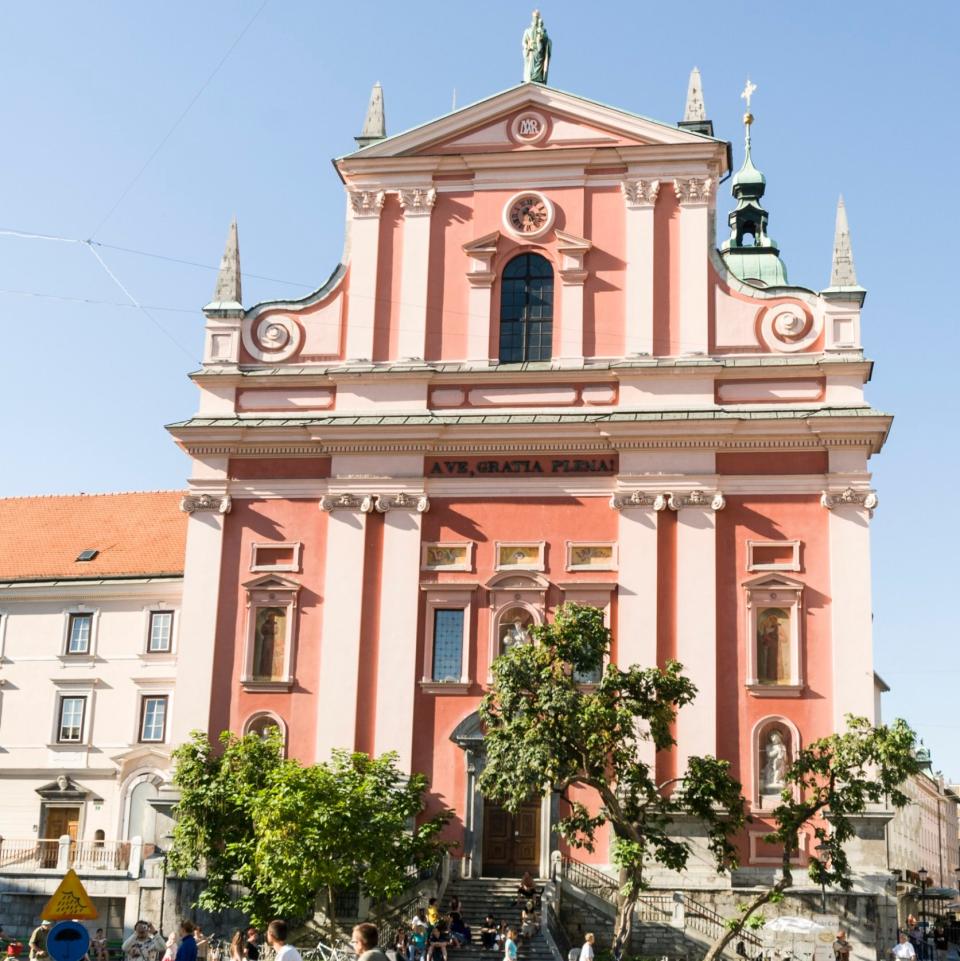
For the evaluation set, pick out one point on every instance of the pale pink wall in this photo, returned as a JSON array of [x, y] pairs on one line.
[[604, 303], [555, 520], [771, 518], [666, 273], [269, 520], [386, 331]]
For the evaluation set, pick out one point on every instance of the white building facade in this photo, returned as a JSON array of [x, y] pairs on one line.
[[88, 654]]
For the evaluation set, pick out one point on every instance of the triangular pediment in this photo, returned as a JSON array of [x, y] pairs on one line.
[[272, 582], [773, 582], [555, 120]]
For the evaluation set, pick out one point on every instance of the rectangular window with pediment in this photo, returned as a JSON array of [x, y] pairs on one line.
[[447, 646], [271, 631]]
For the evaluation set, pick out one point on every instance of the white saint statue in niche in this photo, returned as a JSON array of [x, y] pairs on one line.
[[775, 763], [516, 633]]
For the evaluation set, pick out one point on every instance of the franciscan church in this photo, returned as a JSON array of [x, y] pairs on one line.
[[534, 378]]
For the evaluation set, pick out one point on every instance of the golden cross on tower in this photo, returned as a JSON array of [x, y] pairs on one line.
[[748, 92]]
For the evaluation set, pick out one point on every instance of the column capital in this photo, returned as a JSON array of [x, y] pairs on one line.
[[417, 200], [362, 503], [367, 203], [640, 193], [714, 500], [196, 503], [417, 501], [851, 497], [693, 191], [621, 500]]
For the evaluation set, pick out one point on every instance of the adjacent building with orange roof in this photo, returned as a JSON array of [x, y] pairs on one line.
[[90, 590]]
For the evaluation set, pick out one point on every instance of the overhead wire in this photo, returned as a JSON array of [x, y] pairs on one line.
[[126, 190]]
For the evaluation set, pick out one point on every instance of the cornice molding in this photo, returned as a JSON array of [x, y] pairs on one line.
[[712, 500], [623, 499]]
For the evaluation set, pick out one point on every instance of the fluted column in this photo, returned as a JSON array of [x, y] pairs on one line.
[[696, 618], [342, 608], [417, 204], [399, 606], [851, 619], [694, 196], [365, 206], [640, 197]]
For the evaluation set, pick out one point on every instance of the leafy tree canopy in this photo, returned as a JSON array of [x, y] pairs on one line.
[[546, 730], [289, 834]]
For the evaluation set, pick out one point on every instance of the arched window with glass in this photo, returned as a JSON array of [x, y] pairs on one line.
[[526, 310]]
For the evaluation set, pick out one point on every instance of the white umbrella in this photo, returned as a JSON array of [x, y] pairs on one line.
[[794, 926]]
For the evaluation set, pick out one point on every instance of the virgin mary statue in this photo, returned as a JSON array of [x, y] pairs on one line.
[[536, 51]]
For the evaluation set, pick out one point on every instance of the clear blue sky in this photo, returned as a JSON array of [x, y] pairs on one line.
[[858, 98]]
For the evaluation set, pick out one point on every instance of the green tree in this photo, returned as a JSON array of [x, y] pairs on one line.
[[290, 834], [214, 824], [546, 731], [828, 784], [342, 824]]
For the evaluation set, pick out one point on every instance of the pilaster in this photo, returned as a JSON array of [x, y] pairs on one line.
[[573, 276], [399, 607], [417, 204], [640, 198], [480, 277], [365, 206], [851, 619], [198, 612], [342, 608], [637, 584], [696, 618], [694, 194]]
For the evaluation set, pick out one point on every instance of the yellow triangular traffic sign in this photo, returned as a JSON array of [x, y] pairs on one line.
[[70, 902]]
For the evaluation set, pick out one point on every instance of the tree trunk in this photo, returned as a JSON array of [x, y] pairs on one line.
[[329, 911], [626, 905], [736, 927]]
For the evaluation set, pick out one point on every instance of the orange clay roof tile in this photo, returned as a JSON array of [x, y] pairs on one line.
[[135, 533]]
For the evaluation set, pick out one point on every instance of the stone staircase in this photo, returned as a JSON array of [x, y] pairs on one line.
[[497, 896]]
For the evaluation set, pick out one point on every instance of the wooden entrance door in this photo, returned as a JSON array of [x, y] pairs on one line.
[[58, 821], [511, 842]]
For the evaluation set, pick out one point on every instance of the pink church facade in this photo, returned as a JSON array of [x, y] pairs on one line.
[[532, 379]]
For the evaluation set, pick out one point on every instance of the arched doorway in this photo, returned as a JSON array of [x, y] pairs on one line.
[[496, 842]]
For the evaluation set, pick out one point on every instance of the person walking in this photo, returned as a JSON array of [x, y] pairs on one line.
[[277, 939], [940, 943], [237, 952], [903, 950], [510, 945], [365, 940], [586, 952], [187, 949], [252, 946], [38, 942]]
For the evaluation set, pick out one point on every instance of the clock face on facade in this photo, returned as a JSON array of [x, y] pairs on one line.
[[529, 214]]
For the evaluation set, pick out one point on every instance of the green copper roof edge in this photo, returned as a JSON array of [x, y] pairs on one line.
[[476, 103], [349, 420]]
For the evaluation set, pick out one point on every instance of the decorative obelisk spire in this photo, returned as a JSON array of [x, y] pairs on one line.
[[375, 123], [694, 112], [842, 273], [227, 292]]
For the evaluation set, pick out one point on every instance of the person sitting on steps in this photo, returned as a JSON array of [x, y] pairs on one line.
[[527, 891], [489, 933], [529, 927]]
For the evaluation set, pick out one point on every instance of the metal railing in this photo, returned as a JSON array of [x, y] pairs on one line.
[[590, 879], [659, 909], [708, 922]]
